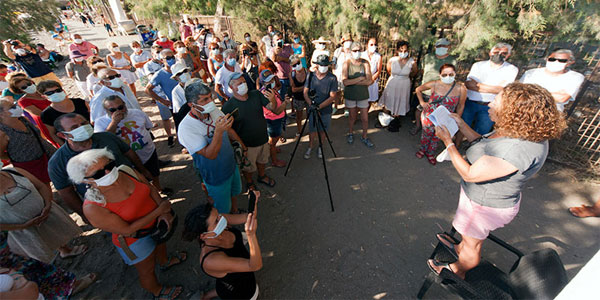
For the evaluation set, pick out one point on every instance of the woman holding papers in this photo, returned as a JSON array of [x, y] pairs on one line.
[[444, 92], [496, 167]]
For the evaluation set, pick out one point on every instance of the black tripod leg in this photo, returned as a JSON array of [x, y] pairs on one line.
[[297, 143], [323, 159], [326, 134]]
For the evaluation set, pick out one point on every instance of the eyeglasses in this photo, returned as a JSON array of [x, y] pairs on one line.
[[446, 75], [100, 173], [562, 60], [111, 77], [48, 93], [120, 107]]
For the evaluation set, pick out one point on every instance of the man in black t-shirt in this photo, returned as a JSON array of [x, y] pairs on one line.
[[28, 59]]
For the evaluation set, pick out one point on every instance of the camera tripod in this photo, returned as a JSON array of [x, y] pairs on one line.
[[314, 112]]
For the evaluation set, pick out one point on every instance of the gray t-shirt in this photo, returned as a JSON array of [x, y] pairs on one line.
[[528, 157], [323, 87]]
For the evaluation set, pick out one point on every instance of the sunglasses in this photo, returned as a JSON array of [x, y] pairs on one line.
[[96, 61], [169, 57], [294, 65], [100, 173], [48, 93], [111, 77], [446, 75], [26, 85], [120, 107], [562, 60]]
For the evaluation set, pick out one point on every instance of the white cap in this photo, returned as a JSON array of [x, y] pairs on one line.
[[178, 68], [442, 42], [161, 33]]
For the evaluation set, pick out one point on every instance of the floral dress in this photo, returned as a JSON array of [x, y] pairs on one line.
[[429, 141]]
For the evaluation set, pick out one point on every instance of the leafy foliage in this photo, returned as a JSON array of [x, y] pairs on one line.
[[163, 10], [18, 17]]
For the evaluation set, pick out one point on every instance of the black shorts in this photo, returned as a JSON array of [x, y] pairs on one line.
[[152, 165]]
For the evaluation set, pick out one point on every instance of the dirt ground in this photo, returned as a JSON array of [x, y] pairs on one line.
[[387, 207]]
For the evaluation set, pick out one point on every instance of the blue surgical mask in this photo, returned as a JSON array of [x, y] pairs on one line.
[[219, 228], [231, 62], [297, 40], [171, 61], [273, 84]]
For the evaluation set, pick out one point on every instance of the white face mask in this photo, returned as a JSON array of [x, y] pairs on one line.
[[208, 107], [272, 85], [323, 69], [78, 41], [181, 50], [247, 39], [215, 51], [21, 52], [109, 178], [347, 44], [242, 89], [115, 49], [185, 77], [441, 51], [226, 38], [448, 79], [355, 55], [372, 49], [320, 47], [137, 50], [555, 66], [403, 54], [219, 228], [298, 67], [16, 112], [79, 59], [116, 83], [57, 97], [163, 39], [81, 133], [30, 89]]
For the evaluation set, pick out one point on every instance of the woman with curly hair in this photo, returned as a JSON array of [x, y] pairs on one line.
[[497, 166]]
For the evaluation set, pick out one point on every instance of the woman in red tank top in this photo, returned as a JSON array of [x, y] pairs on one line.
[[117, 202]]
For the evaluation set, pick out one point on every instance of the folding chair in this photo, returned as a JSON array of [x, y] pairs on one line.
[[538, 275]]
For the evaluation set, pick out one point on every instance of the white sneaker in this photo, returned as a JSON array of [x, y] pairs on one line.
[[307, 154], [319, 153]]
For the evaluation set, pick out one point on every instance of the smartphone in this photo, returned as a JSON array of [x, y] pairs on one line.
[[251, 201], [235, 114]]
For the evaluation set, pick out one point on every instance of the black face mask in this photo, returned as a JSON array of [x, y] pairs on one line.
[[498, 58]]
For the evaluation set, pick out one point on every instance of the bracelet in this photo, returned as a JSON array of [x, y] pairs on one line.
[[450, 145]]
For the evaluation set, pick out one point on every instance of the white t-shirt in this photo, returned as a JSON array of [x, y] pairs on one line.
[[92, 83], [133, 130], [97, 109], [3, 85], [484, 72], [193, 133], [568, 82], [178, 96], [223, 75], [268, 45], [138, 58]]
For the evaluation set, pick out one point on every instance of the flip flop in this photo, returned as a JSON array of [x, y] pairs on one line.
[[77, 250], [448, 242], [582, 211], [420, 154], [181, 256], [270, 183], [432, 264], [174, 291], [84, 282], [431, 159]]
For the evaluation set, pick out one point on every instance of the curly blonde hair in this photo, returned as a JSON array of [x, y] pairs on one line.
[[529, 113]]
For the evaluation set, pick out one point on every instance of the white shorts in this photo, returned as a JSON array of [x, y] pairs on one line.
[[359, 103]]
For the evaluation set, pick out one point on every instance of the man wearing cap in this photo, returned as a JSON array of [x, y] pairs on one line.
[[163, 79], [111, 84], [231, 66], [431, 64], [78, 70], [250, 124], [163, 41], [320, 48], [182, 74], [325, 87], [84, 47], [340, 56]]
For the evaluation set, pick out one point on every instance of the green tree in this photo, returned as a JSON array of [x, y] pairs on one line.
[[20, 17], [164, 10]]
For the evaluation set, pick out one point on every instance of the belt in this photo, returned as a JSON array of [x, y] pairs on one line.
[[480, 102]]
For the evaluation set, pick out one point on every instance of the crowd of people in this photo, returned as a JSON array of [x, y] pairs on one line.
[[98, 152]]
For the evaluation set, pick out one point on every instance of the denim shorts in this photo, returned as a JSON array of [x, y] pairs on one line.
[[142, 248], [165, 112], [275, 127]]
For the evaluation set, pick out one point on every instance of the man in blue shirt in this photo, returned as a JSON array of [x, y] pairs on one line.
[[205, 132], [163, 79]]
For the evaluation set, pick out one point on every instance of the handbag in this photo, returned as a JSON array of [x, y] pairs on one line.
[[132, 69]]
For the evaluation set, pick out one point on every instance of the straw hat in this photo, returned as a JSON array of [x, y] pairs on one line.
[[321, 40]]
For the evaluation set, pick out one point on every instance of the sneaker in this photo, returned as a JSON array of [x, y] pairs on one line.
[[307, 154], [171, 141], [319, 153], [367, 142], [334, 110], [350, 138], [346, 113]]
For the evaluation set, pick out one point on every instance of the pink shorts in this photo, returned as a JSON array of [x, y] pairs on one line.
[[476, 221]]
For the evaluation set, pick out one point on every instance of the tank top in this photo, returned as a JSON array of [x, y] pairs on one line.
[[216, 64], [121, 62], [269, 115], [356, 92], [241, 285], [298, 95], [136, 206], [187, 61]]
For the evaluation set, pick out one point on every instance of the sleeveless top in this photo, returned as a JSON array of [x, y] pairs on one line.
[[217, 64], [241, 285], [355, 91], [135, 207], [24, 146], [121, 62], [298, 95], [187, 61], [299, 51]]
